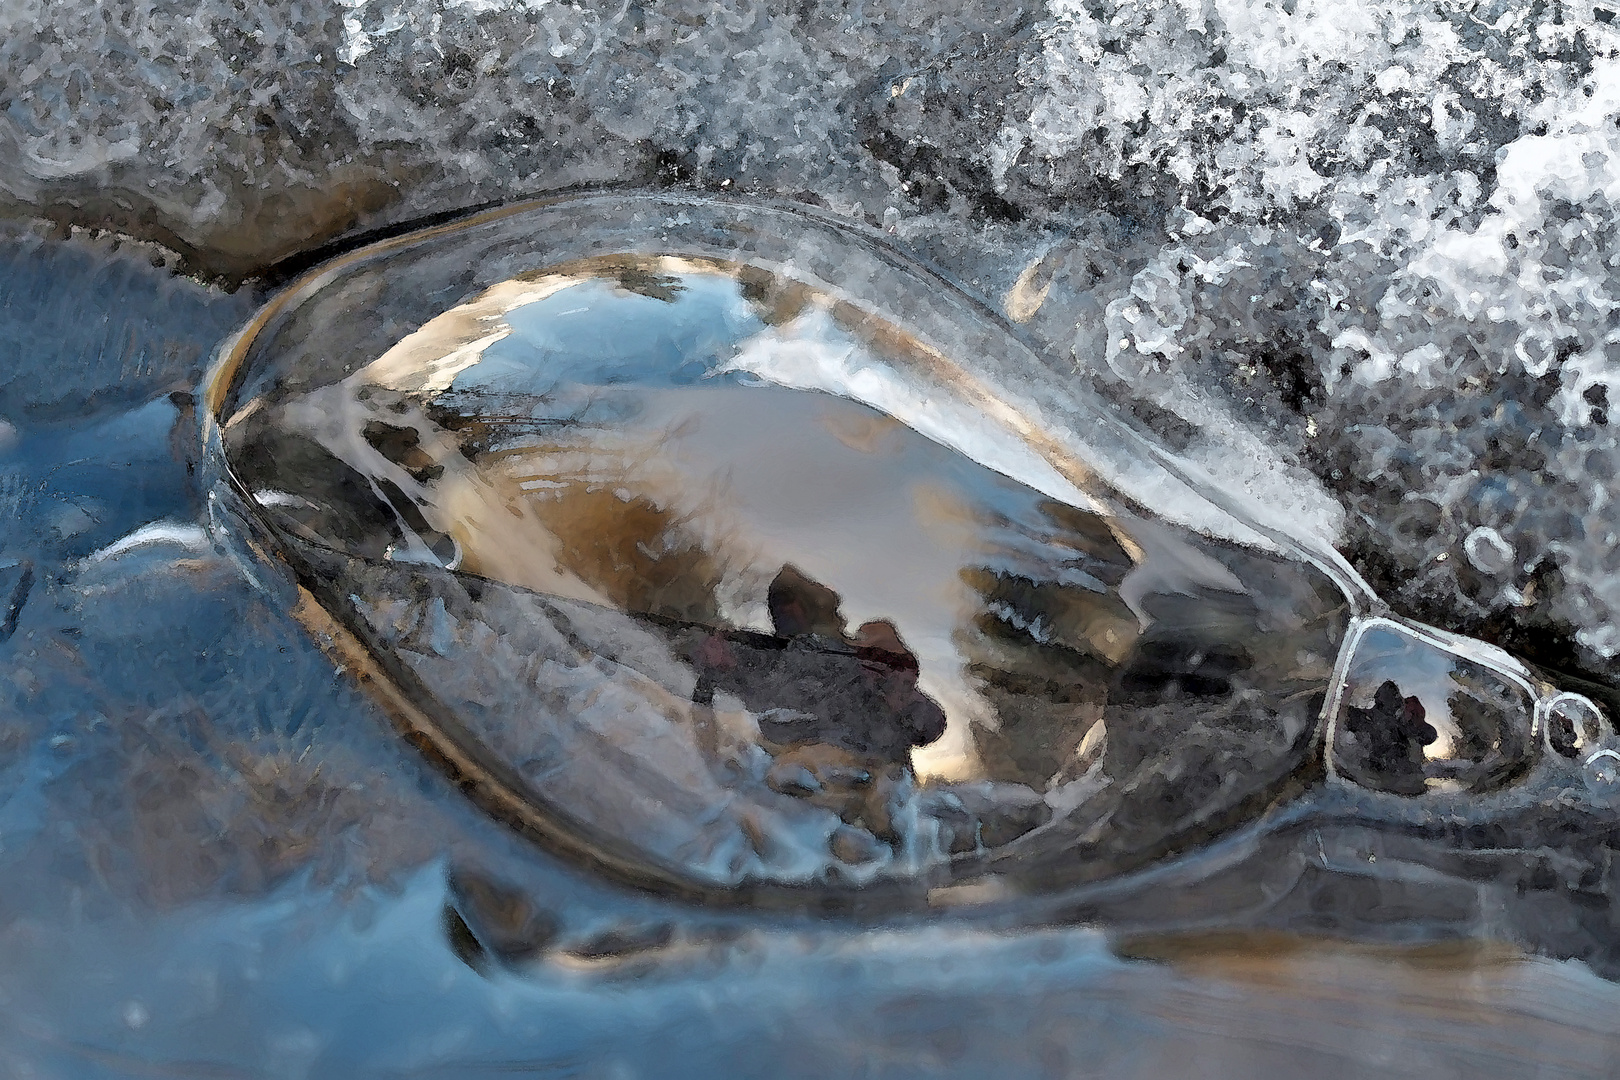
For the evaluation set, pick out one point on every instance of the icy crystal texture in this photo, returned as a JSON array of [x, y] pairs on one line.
[[1384, 232]]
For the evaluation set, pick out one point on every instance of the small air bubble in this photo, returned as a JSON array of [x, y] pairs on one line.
[[135, 1015], [1488, 551]]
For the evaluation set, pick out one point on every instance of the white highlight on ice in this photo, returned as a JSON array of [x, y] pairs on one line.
[[189, 537]]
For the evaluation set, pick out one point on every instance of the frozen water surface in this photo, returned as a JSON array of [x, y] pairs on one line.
[[1369, 246]]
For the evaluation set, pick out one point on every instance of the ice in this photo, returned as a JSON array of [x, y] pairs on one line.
[[1370, 231], [1376, 242], [1378, 236]]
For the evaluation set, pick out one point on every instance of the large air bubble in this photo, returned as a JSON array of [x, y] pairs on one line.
[[700, 539]]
